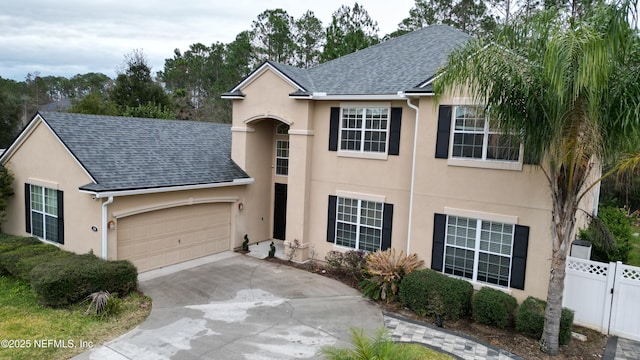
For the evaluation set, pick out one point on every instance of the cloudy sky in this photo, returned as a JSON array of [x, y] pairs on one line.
[[69, 37]]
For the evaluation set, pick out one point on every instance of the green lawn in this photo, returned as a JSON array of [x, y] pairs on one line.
[[419, 352], [634, 255], [37, 332]]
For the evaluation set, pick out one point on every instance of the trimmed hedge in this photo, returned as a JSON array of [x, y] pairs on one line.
[[493, 307], [430, 293], [530, 320], [24, 266], [66, 281], [9, 259], [11, 242]]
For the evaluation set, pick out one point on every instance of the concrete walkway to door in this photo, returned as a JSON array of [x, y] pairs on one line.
[[238, 307]]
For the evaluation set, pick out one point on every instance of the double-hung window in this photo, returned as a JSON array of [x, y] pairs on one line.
[[44, 213], [478, 250], [282, 157], [282, 150], [359, 223], [474, 138], [364, 129]]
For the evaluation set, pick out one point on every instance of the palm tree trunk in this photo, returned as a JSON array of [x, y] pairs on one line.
[[564, 216]]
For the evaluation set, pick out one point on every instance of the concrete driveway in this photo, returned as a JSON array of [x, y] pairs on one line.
[[238, 307]]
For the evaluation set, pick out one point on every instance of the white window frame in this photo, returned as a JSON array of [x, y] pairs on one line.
[[363, 130], [280, 158], [482, 161], [35, 189], [477, 251], [359, 223]]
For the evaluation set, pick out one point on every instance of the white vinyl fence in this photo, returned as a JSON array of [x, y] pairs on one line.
[[605, 297]]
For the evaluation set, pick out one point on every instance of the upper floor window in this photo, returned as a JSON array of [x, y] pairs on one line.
[[474, 138], [282, 157], [282, 150], [364, 129], [282, 129]]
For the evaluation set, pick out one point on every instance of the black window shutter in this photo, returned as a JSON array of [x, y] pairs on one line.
[[437, 251], [60, 217], [387, 224], [331, 219], [27, 207], [334, 128], [519, 259], [444, 129], [394, 131]]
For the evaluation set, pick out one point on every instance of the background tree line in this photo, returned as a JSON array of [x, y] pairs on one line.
[[191, 82]]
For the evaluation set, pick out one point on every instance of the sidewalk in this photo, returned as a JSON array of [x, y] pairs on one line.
[[621, 349]]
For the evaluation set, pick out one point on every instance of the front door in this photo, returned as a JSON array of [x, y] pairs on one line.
[[280, 211]]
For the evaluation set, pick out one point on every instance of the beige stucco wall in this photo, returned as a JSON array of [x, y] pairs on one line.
[[44, 161], [523, 194], [332, 172], [265, 106]]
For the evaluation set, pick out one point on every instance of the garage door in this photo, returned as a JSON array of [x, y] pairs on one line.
[[169, 236]]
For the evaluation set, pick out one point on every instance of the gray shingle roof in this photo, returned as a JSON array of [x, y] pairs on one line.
[[399, 64], [123, 153]]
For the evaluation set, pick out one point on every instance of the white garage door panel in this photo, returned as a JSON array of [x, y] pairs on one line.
[[164, 237]]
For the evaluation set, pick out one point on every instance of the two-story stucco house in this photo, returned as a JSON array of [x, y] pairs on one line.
[[355, 154], [350, 154]]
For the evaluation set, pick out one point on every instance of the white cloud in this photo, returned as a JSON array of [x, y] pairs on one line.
[[67, 37]]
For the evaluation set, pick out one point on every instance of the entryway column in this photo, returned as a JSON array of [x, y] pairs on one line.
[[299, 179]]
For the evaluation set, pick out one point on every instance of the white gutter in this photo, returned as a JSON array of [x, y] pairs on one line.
[[104, 226], [98, 195], [351, 97], [413, 173], [324, 96]]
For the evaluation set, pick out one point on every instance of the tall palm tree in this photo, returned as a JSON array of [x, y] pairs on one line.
[[570, 87]]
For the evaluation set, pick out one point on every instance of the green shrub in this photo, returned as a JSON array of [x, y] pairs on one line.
[[431, 293], [493, 307], [26, 264], [618, 225], [11, 242], [6, 191], [354, 262], [334, 260], [69, 280], [351, 263], [530, 320], [10, 259]]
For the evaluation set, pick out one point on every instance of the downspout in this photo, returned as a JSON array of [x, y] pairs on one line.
[[104, 226], [413, 173]]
